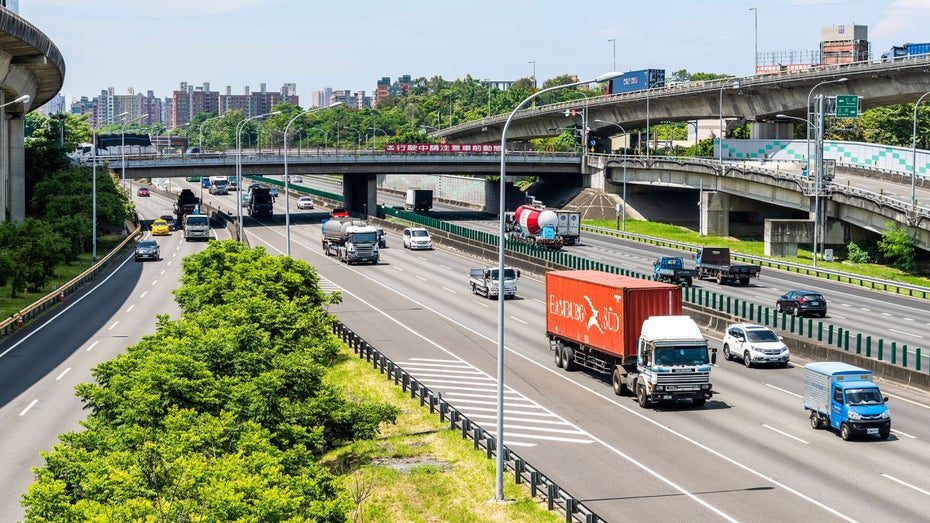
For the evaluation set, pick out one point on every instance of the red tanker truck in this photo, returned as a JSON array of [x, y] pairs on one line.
[[536, 226]]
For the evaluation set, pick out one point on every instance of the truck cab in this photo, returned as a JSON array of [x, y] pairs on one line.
[[672, 269], [486, 281], [845, 398], [673, 362]]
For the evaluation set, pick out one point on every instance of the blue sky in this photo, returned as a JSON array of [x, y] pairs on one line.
[[155, 45]]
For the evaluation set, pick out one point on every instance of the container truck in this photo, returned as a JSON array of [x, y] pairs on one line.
[[418, 200], [187, 203], [902, 52], [261, 204], [350, 241], [636, 81], [631, 329], [714, 263], [486, 282], [845, 398], [534, 226]]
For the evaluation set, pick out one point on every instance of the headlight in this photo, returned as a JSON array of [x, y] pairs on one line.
[[854, 415], [659, 388], [886, 414]]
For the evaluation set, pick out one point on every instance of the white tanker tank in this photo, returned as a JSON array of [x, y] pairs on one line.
[[337, 229], [537, 226]]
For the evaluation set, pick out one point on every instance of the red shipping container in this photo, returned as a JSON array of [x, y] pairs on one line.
[[605, 311]]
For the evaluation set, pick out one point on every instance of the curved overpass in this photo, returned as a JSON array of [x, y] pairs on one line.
[[755, 99]]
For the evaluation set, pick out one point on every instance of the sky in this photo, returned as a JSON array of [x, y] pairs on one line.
[[157, 44]]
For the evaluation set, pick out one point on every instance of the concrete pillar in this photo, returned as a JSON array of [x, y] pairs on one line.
[[360, 193], [4, 165], [594, 176], [715, 214], [16, 168]]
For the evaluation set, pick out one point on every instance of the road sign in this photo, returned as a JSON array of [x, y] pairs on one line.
[[847, 106]]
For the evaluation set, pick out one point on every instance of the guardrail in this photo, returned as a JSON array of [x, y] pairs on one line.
[[18, 320], [523, 472]]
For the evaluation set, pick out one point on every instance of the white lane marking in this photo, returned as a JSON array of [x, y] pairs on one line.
[[396, 268], [445, 266], [23, 413], [115, 323], [785, 434], [92, 345], [485, 305], [905, 434], [163, 271], [907, 333], [421, 278], [908, 319], [131, 307], [886, 314], [518, 319], [837, 316], [537, 300], [169, 262], [912, 402], [449, 290], [908, 485], [783, 390], [143, 294], [62, 375], [154, 282]]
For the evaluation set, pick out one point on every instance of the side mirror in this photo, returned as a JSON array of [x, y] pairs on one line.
[[655, 263], [713, 356], [518, 273], [885, 399]]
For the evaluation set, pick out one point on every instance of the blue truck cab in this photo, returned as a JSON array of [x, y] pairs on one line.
[[845, 398], [672, 269]]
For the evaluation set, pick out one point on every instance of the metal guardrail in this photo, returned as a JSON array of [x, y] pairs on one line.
[[845, 277], [18, 320], [523, 472]]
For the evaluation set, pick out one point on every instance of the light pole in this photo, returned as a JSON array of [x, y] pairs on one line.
[[94, 183], [914, 155], [22, 99], [614, 41], [499, 492], [487, 82], [239, 179], [808, 120], [122, 148], [817, 175], [623, 209], [734, 85], [374, 134], [755, 19], [287, 179]]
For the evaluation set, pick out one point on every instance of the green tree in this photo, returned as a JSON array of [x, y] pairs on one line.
[[29, 253], [898, 248]]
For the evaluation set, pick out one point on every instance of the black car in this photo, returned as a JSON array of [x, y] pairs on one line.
[[147, 250], [802, 302]]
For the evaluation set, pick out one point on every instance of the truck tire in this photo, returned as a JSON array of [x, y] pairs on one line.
[[619, 385], [816, 421], [744, 282], [688, 282], [844, 432], [641, 397], [558, 355], [568, 359], [474, 289], [720, 280]]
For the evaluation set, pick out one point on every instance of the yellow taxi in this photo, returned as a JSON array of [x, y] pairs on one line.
[[160, 228]]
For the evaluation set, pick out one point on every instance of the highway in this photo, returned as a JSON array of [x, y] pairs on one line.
[[748, 455]]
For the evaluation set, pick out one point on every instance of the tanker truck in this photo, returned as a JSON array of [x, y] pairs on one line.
[[631, 329], [535, 226], [350, 241]]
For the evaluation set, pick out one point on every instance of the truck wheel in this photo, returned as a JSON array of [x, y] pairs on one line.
[[616, 380], [747, 360], [726, 352], [641, 397], [474, 289], [744, 282], [844, 432], [558, 356], [688, 282], [884, 434], [568, 359], [816, 422], [699, 402], [719, 280]]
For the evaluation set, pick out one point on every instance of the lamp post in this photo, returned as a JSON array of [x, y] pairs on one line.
[[94, 183], [287, 178], [374, 134], [914, 155], [499, 492], [614, 41], [623, 209], [817, 175], [734, 85], [808, 120], [755, 19], [122, 148], [487, 82], [241, 182]]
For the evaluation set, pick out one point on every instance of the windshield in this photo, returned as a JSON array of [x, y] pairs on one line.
[[196, 220], [419, 232], [681, 356], [761, 336], [509, 274], [365, 237], [863, 397]]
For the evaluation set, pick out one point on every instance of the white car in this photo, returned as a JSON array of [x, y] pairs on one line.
[[304, 202], [754, 344], [417, 238]]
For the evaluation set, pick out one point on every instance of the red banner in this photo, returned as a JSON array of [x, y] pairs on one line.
[[442, 148]]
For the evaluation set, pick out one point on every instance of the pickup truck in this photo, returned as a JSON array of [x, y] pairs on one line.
[[485, 281], [714, 263], [671, 269]]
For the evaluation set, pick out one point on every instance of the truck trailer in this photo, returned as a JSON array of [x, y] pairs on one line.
[[845, 398], [631, 329], [714, 263], [418, 200]]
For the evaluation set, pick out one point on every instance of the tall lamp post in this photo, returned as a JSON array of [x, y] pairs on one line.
[[374, 134], [499, 492], [287, 179], [614, 41], [122, 148], [623, 209], [734, 85], [914, 155], [94, 183], [241, 182], [755, 19], [816, 176]]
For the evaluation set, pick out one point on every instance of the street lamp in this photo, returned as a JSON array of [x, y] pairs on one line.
[[94, 183], [734, 85], [755, 18], [499, 492], [614, 41], [287, 179], [22, 99], [240, 181], [914, 155], [122, 148], [623, 215], [817, 176], [374, 134]]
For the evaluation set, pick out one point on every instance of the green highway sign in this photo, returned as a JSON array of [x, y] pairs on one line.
[[847, 106]]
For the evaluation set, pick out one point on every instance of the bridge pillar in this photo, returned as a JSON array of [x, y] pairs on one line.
[[594, 175], [360, 193], [715, 214], [15, 168]]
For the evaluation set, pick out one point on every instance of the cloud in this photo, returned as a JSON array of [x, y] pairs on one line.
[[162, 8], [903, 17]]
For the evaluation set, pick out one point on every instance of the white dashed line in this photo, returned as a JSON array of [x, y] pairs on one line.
[[62, 375], [23, 413], [785, 434], [92, 345]]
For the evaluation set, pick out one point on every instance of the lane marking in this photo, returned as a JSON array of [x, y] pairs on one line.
[[783, 390], [115, 323], [143, 294], [773, 429], [449, 290], [421, 278], [907, 333], [92, 345], [62, 375], [518, 319], [908, 485], [154, 282], [485, 305], [912, 402], [131, 307], [905, 434], [24, 411]]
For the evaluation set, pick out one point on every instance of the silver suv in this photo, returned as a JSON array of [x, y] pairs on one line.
[[754, 344]]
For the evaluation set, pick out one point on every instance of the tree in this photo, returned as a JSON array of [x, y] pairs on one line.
[[29, 253], [898, 248]]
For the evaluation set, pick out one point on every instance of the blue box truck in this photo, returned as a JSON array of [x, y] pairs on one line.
[[636, 81], [845, 398]]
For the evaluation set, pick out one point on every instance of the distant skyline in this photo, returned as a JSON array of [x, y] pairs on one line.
[[237, 43]]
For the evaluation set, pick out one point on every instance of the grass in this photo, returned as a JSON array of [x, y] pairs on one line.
[[757, 248], [63, 274], [418, 470]]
